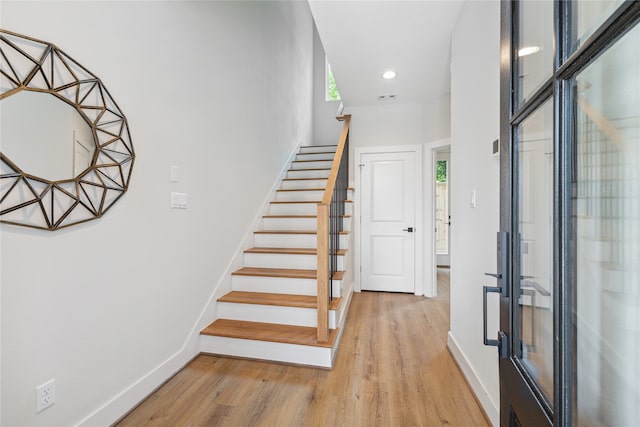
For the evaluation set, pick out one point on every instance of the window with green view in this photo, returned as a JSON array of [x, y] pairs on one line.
[[441, 171], [332, 89]]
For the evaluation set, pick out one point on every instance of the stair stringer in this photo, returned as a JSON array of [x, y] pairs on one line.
[[347, 281]]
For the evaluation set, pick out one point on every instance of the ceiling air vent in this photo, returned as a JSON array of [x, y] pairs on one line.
[[387, 97]]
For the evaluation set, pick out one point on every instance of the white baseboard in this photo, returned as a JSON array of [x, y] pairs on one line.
[[114, 409], [118, 406], [477, 387]]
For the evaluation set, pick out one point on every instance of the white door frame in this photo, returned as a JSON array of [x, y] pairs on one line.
[[419, 225], [431, 286]]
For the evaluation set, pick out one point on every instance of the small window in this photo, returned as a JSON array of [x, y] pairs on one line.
[[332, 89], [441, 171]]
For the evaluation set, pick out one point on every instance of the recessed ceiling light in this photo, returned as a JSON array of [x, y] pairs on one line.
[[528, 50], [389, 75]]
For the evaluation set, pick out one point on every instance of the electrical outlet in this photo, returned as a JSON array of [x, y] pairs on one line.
[[45, 395]]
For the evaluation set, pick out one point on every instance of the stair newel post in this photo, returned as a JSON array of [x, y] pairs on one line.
[[323, 272]]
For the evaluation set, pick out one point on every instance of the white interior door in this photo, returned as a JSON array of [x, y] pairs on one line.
[[388, 214]]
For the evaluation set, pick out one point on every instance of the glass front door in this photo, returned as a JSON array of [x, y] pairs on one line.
[[570, 208]]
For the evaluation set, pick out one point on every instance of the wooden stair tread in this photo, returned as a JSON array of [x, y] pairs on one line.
[[289, 216], [312, 160], [315, 146], [317, 152], [298, 216], [283, 272], [281, 300], [271, 332], [295, 201], [301, 189], [292, 251], [305, 179], [292, 232], [311, 169]]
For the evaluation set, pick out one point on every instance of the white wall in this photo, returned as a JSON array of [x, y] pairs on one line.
[[326, 129], [394, 123], [391, 123], [437, 118], [474, 125], [221, 89]]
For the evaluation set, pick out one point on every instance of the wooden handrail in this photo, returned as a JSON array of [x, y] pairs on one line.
[[326, 198], [323, 238]]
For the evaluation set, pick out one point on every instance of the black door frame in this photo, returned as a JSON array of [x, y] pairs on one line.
[[517, 389]]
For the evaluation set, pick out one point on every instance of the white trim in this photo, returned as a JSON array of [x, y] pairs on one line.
[[477, 387], [121, 403], [420, 230]]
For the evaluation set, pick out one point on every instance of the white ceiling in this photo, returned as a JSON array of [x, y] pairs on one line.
[[363, 39]]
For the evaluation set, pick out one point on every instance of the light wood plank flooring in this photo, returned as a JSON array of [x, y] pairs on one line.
[[392, 369]]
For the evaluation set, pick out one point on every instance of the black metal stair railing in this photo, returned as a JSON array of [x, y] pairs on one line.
[[337, 212], [331, 211]]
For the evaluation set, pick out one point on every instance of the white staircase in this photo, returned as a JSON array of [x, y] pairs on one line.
[[270, 313]]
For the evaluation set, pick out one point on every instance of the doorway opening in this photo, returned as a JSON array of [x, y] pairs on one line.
[[442, 214]]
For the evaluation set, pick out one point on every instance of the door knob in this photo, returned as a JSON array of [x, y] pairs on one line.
[[410, 229]]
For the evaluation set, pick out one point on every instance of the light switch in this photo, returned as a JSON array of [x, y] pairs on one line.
[[179, 200], [472, 199], [175, 174]]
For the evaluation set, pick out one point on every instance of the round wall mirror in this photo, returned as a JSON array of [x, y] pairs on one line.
[[66, 155]]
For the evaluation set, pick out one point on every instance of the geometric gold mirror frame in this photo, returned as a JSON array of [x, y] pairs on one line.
[[90, 190]]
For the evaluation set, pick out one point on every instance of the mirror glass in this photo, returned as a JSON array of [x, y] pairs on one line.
[[45, 136]]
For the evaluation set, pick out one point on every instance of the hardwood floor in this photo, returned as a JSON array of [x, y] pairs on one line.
[[392, 369]]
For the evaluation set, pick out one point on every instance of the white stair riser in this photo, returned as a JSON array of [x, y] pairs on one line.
[[293, 209], [272, 314], [290, 223], [280, 285], [316, 164], [264, 350], [295, 261], [298, 196], [302, 209], [315, 156], [268, 240], [348, 208], [298, 223], [317, 149], [304, 183], [301, 173]]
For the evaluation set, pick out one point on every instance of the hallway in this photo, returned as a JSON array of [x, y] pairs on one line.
[[393, 369]]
